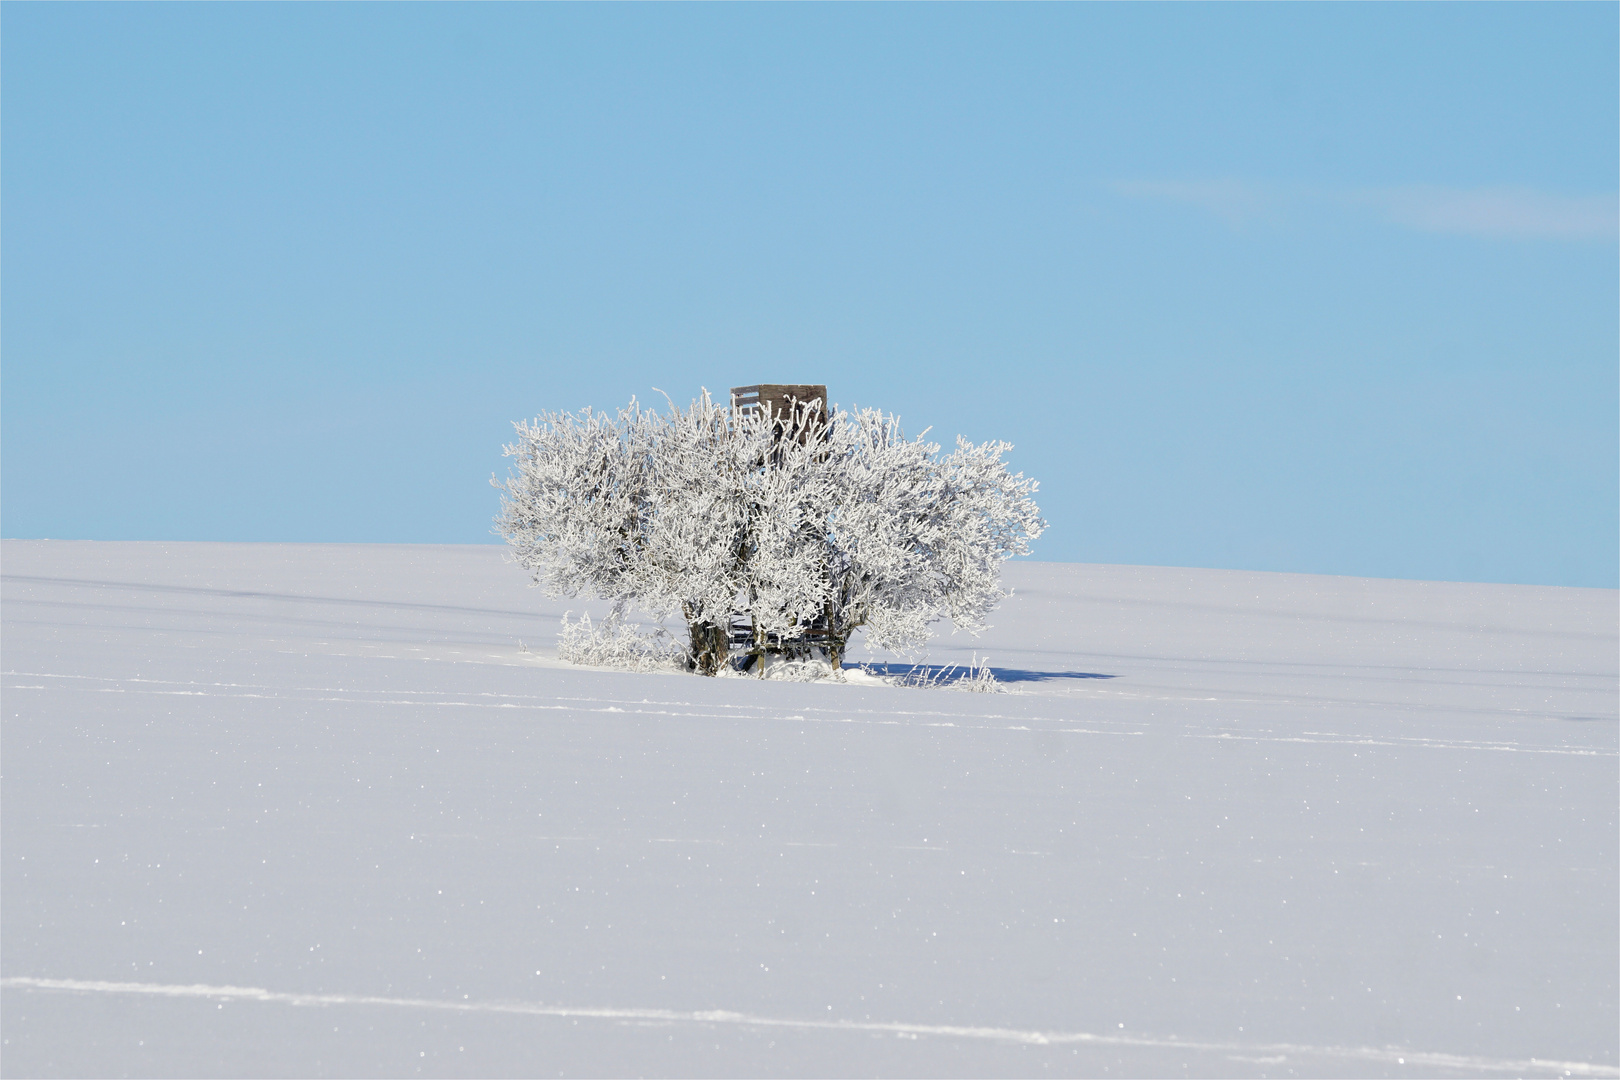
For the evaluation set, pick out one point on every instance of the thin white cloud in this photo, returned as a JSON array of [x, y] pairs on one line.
[[1510, 213], [1499, 213]]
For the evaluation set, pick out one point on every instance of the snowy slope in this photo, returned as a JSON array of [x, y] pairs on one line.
[[290, 810]]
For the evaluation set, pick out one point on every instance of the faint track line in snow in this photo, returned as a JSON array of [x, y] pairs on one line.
[[1380, 1055], [252, 594], [841, 713], [437, 699], [1412, 743], [1231, 699]]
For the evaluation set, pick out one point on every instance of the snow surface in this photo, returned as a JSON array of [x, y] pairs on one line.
[[308, 809]]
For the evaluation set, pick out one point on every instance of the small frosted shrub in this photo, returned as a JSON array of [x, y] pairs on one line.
[[613, 643], [978, 679]]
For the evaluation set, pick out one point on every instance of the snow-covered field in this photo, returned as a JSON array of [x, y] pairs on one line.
[[308, 809]]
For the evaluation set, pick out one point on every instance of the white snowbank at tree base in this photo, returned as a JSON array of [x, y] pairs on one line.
[[307, 809]]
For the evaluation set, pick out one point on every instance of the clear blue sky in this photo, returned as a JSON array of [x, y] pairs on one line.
[[1326, 288]]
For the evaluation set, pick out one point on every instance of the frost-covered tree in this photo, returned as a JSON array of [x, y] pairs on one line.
[[632, 507], [913, 537], [804, 529], [577, 500]]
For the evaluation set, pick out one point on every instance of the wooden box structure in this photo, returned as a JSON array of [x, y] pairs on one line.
[[793, 405], [798, 408]]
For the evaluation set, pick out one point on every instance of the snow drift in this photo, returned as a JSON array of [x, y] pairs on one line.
[[311, 810]]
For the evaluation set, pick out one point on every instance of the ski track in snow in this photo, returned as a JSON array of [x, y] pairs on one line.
[[1383, 1056], [683, 710]]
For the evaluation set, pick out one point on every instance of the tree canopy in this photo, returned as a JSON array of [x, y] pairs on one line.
[[802, 531]]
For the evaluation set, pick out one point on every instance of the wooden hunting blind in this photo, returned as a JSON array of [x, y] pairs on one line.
[[796, 409], [792, 405]]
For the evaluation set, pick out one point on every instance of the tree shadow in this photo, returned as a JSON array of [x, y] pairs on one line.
[[1026, 675], [936, 672]]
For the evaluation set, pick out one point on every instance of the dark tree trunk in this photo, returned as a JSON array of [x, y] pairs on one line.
[[711, 647], [836, 637]]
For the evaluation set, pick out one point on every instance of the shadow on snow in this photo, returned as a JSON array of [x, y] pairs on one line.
[[934, 672]]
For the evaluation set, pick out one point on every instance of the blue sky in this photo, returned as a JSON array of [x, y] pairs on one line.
[[1322, 288]]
